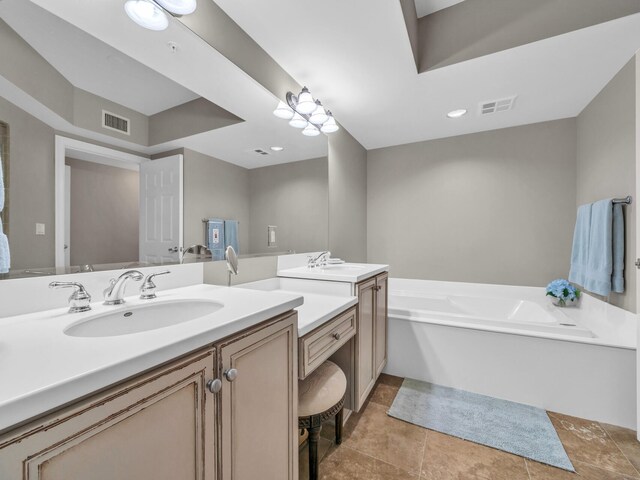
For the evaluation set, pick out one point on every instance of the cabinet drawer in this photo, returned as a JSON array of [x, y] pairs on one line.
[[320, 344]]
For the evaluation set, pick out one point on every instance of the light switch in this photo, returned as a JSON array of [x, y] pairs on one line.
[[39, 228], [271, 235]]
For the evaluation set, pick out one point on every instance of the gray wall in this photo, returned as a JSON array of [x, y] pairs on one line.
[[214, 189], [480, 27], [32, 189], [249, 270], [104, 213], [606, 161], [492, 207], [347, 197], [294, 197]]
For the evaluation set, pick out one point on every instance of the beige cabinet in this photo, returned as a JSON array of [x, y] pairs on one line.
[[167, 424], [259, 403], [158, 426], [371, 338]]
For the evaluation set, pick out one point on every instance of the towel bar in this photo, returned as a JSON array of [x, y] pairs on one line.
[[625, 201]]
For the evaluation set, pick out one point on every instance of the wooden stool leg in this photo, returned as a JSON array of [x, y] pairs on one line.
[[314, 435], [338, 422]]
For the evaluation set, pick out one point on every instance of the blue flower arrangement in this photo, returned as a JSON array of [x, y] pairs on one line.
[[563, 291]]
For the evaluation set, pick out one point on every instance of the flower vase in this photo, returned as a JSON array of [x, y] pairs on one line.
[[560, 302]]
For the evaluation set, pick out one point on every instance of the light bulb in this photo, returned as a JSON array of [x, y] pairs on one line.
[[319, 115], [146, 14], [305, 105], [297, 121], [311, 130], [330, 125], [283, 111], [179, 7]]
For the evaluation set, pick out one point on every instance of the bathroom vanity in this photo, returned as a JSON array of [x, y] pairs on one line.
[[356, 339], [195, 415]]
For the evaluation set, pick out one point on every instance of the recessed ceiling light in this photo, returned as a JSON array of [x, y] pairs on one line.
[[457, 113], [147, 14], [277, 149]]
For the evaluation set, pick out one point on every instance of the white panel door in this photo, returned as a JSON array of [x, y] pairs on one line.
[[67, 215], [161, 210]]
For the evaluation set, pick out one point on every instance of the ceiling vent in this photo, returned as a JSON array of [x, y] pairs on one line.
[[496, 106], [259, 151], [111, 121]]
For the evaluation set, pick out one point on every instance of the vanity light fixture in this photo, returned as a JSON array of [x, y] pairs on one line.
[[306, 113], [152, 14], [457, 113]]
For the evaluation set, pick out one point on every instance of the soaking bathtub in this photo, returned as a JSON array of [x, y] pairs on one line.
[[512, 343]]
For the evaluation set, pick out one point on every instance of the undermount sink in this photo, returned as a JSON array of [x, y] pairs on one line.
[[142, 318], [340, 267]]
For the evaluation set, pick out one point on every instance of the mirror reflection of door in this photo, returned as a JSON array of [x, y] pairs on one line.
[[161, 210], [102, 203], [5, 262]]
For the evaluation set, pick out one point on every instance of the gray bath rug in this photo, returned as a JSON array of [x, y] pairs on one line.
[[509, 426]]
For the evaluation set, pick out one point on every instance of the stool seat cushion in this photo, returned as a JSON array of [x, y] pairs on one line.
[[321, 390]]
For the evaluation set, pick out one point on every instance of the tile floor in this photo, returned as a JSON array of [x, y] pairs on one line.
[[378, 447]]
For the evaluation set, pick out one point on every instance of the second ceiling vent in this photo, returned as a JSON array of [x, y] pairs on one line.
[[495, 106]]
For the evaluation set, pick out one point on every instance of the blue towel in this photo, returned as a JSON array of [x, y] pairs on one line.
[[580, 252], [231, 234], [617, 278], [5, 254], [600, 261]]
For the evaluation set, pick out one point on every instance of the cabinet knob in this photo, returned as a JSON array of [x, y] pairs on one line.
[[214, 386], [336, 336], [231, 374]]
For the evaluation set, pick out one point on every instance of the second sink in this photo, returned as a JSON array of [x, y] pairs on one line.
[[142, 318]]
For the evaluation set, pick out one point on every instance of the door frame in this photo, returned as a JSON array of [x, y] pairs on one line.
[[65, 146]]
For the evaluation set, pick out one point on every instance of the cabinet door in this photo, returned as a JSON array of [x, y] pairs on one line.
[[365, 341], [259, 408], [381, 322], [158, 426]]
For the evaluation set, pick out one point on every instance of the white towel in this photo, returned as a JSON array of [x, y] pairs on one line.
[[1, 185], [5, 254]]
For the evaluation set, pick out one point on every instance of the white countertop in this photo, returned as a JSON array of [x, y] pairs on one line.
[[42, 369], [322, 301], [345, 272]]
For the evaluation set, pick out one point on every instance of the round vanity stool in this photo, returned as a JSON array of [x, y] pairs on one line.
[[320, 397]]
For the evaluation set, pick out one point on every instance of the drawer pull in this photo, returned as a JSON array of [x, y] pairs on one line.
[[336, 336]]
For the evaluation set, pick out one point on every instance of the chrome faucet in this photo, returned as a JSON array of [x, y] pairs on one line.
[[114, 293], [80, 300], [319, 261]]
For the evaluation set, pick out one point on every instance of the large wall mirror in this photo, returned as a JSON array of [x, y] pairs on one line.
[[116, 161]]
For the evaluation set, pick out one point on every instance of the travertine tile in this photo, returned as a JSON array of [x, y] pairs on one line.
[[388, 439], [450, 458], [344, 463], [587, 442], [627, 442], [538, 471], [386, 389]]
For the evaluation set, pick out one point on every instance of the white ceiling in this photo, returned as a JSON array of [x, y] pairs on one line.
[[364, 71], [427, 7], [90, 64], [197, 68]]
